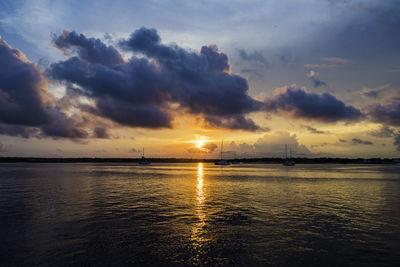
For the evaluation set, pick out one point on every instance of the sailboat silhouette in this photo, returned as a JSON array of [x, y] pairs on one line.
[[144, 161], [288, 161], [221, 161]]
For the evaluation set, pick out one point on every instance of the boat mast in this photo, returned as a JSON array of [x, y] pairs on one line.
[[285, 150], [143, 153], [222, 144]]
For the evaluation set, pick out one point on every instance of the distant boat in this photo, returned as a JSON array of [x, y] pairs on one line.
[[235, 160], [288, 161], [221, 161], [144, 161]]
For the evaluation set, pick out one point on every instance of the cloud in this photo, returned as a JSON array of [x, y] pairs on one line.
[[383, 91], [134, 150], [272, 144], [336, 60], [18, 130], [386, 114], [237, 122], [2, 148], [361, 142], [63, 127], [331, 62], [206, 148], [252, 72], [23, 94], [100, 132], [312, 130], [232, 146], [319, 66], [323, 144], [256, 56], [141, 91], [210, 147], [26, 107], [372, 94], [397, 141], [313, 75], [383, 132], [91, 50], [299, 103]]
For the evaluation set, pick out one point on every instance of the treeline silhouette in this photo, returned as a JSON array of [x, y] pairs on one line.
[[193, 160]]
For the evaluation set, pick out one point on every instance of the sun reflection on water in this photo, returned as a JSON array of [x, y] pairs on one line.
[[198, 231], [200, 180]]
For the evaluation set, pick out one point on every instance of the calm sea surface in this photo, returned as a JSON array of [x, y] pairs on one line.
[[199, 214]]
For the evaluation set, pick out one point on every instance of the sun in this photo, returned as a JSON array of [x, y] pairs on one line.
[[199, 144]]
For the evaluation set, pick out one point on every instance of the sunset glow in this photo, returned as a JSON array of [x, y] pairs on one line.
[[199, 144], [106, 89], [200, 133]]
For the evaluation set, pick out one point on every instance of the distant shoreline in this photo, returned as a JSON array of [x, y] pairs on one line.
[[185, 160]]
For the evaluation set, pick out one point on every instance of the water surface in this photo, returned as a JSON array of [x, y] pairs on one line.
[[199, 214]]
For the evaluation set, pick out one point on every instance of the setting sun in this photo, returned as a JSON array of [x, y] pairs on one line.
[[199, 144]]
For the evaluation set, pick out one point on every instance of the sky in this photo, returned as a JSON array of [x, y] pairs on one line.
[[109, 78]]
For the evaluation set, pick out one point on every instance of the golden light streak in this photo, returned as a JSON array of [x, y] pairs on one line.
[[200, 144], [198, 230]]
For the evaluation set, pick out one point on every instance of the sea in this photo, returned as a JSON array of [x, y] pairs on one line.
[[185, 214]]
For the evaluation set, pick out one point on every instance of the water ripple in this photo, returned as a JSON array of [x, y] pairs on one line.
[[199, 214]]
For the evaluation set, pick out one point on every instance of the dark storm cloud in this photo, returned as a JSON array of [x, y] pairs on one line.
[[312, 130], [232, 122], [128, 93], [386, 114], [126, 114], [18, 130], [255, 56], [299, 103], [26, 107], [361, 142], [22, 95], [91, 50], [139, 92], [62, 126]]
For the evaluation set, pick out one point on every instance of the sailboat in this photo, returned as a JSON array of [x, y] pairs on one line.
[[288, 161], [221, 161], [144, 161]]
